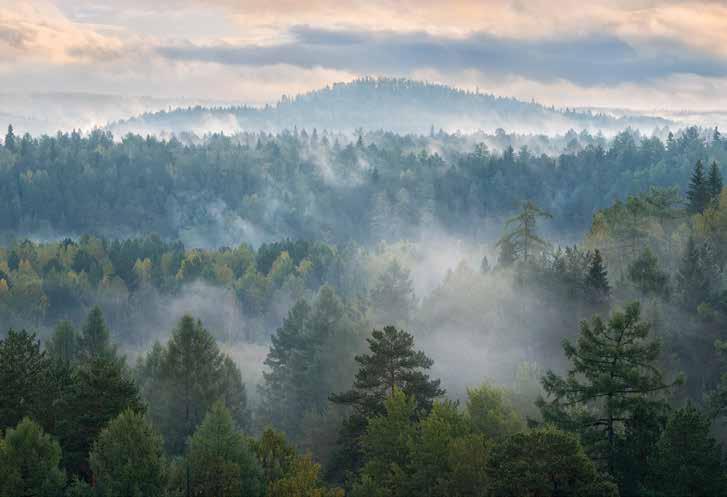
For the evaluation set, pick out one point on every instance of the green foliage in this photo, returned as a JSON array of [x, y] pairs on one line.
[[491, 413], [714, 182], [645, 274], [544, 462], [25, 379], [287, 474], [392, 364], [687, 460], [63, 346], [184, 379], [597, 279], [612, 374], [522, 241], [311, 355], [392, 297], [387, 444], [95, 339], [220, 461], [100, 390], [29, 461], [127, 458], [698, 193]]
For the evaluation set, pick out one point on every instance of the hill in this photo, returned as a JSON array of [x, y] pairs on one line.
[[398, 105]]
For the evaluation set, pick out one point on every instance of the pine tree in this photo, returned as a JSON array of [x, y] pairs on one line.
[[597, 279], [714, 183], [698, 192], [612, 374], [392, 364]]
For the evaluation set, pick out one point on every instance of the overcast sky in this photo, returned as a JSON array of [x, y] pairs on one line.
[[638, 54]]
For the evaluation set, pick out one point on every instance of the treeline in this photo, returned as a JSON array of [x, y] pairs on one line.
[[77, 421], [397, 105], [305, 185], [41, 283]]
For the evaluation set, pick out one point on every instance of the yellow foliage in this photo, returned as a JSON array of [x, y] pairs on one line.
[[3, 287]]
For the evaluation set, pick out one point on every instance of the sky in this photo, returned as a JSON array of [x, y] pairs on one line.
[[638, 54]]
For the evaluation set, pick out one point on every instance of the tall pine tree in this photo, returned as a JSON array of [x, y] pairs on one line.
[[698, 193], [612, 374]]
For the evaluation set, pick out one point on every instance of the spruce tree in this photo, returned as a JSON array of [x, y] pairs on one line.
[[597, 279], [612, 374], [698, 192], [714, 182]]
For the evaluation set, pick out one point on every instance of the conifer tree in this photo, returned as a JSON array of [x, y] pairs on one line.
[[10, 139], [24, 378], [95, 339], [220, 460], [693, 278], [714, 182], [63, 345], [687, 460], [597, 279], [612, 374], [698, 192], [128, 458], [29, 461], [523, 234], [392, 364]]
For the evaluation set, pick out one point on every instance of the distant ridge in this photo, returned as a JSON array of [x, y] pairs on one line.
[[398, 105]]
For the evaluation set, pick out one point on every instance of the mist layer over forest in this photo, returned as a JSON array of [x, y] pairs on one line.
[[318, 293]]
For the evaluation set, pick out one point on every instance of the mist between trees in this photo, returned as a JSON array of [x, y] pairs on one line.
[[448, 346]]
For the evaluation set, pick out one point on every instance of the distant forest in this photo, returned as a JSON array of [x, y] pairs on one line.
[[303, 184], [397, 105]]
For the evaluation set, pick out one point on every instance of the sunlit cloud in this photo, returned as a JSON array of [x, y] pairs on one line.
[[637, 53]]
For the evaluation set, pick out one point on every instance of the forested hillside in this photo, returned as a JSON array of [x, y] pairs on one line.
[[305, 185], [319, 314], [397, 105]]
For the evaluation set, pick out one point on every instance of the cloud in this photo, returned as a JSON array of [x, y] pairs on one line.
[[38, 31], [589, 60]]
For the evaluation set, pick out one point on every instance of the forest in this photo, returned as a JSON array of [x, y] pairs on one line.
[[396, 104], [309, 313]]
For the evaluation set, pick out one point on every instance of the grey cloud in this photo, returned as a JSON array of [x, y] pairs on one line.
[[587, 61]]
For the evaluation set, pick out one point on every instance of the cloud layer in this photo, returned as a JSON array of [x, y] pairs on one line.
[[640, 53]]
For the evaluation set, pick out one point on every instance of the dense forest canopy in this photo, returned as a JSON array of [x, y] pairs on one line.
[[305, 184], [313, 313]]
